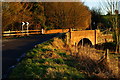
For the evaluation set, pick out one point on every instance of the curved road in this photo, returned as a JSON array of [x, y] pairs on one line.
[[12, 49]]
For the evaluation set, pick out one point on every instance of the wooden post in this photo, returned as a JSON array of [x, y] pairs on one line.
[[9, 33], [23, 23], [68, 36], [119, 67], [95, 38], [75, 47], [27, 30], [107, 59], [42, 31], [113, 63], [82, 42], [107, 53], [119, 47], [70, 30], [27, 27]]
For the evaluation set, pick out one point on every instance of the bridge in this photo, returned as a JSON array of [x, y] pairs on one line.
[[73, 37], [92, 37], [83, 37]]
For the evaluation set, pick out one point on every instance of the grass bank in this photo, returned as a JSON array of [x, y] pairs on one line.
[[55, 59], [46, 62]]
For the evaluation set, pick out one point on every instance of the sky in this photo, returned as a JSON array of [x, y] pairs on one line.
[[96, 4], [91, 3], [119, 7]]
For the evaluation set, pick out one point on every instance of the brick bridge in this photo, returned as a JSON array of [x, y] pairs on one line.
[[92, 37]]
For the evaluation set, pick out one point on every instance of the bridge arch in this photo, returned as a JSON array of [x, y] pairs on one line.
[[84, 42]]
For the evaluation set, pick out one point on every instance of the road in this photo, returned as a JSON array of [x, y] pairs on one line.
[[12, 49]]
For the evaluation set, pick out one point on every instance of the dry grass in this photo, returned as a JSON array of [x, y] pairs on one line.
[[87, 60], [56, 60]]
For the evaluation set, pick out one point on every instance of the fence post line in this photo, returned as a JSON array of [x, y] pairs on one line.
[[82, 43], [107, 54], [42, 31], [114, 66], [9, 32], [68, 37], [95, 38], [27, 27], [23, 23], [119, 67]]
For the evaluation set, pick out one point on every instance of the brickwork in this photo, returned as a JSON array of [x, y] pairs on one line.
[[56, 31], [104, 38], [74, 37], [95, 36]]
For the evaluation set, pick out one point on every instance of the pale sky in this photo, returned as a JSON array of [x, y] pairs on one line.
[[91, 3], [96, 4]]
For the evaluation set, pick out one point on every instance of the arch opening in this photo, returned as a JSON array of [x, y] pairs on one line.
[[85, 42]]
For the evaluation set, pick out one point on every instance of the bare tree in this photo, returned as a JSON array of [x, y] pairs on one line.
[[16, 12], [111, 6], [67, 15]]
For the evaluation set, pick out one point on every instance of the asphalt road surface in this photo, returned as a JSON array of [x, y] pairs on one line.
[[12, 49]]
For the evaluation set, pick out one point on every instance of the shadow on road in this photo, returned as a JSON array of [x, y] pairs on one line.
[[12, 49]]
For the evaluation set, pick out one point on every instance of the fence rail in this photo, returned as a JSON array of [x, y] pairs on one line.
[[28, 32], [20, 33]]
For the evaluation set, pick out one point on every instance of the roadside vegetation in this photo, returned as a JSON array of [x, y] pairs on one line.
[[57, 60], [46, 62]]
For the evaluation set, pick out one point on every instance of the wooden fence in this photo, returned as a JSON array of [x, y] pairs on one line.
[[29, 32], [20, 33]]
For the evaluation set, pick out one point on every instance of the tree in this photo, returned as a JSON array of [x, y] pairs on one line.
[[96, 18], [67, 15], [111, 6], [8, 14], [16, 12], [99, 21]]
